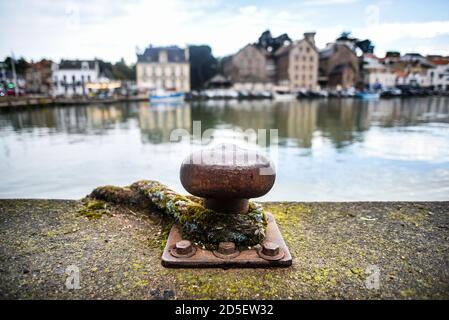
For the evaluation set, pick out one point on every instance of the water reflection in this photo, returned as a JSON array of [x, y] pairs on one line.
[[335, 140], [157, 123], [342, 121]]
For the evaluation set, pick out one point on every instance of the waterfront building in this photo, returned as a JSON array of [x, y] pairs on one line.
[[251, 68], [375, 74], [439, 76], [38, 77], [163, 68], [70, 77], [338, 66], [297, 64], [412, 69]]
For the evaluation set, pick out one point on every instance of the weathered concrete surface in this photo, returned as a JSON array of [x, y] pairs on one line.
[[332, 245]]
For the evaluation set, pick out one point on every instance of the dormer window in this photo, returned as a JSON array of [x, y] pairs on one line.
[[163, 56], [84, 65]]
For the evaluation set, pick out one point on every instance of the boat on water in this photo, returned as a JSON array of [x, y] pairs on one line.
[[366, 95], [282, 95], [166, 96]]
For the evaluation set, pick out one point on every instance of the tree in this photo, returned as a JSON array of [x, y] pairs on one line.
[[267, 41], [365, 45], [203, 65], [21, 65], [121, 71], [118, 71]]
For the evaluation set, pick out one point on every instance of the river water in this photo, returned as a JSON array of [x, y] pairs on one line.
[[324, 150]]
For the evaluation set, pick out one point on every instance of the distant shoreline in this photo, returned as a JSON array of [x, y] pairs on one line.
[[12, 102]]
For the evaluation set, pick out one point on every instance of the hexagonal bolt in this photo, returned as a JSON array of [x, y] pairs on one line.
[[226, 248], [270, 248], [183, 247]]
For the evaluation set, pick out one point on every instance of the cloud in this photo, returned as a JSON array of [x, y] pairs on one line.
[[327, 2], [112, 29], [405, 35]]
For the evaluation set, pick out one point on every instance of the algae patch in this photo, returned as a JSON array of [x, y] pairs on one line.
[[199, 224], [94, 209]]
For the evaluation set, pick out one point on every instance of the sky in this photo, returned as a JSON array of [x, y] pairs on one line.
[[112, 29]]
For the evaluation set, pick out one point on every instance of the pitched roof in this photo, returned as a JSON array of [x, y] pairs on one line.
[[151, 54], [287, 48], [283, 50], [75, 64]]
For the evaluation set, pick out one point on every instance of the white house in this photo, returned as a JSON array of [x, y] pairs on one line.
[[439, 77], [415, 79], [71, 77], [376, 73]]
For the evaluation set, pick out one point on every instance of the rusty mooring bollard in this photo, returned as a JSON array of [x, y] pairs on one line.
[[227, 176]]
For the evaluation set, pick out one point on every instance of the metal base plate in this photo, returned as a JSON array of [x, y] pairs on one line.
[[247, 258]]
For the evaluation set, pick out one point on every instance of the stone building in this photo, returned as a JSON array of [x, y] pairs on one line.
[[338, 67], [252, 66], [38, 77], [163, 68], [297, 64]]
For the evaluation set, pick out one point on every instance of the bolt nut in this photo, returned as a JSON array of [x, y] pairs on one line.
[[183, 247], [226, 248], [270, 249]]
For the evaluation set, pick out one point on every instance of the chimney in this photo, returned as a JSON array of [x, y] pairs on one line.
[[186, 54], [310, 36]]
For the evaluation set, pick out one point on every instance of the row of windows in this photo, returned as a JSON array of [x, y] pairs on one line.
[[73, 78], [304, 58], [304, 85], [167, 71], [154, 78], [303, 67], [303, 77], [170, 83]]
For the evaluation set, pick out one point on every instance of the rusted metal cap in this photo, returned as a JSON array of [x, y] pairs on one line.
[[227, 176]]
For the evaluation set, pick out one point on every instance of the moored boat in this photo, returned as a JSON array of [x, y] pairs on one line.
[[282, 95], [368, 95], [166, 96]]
